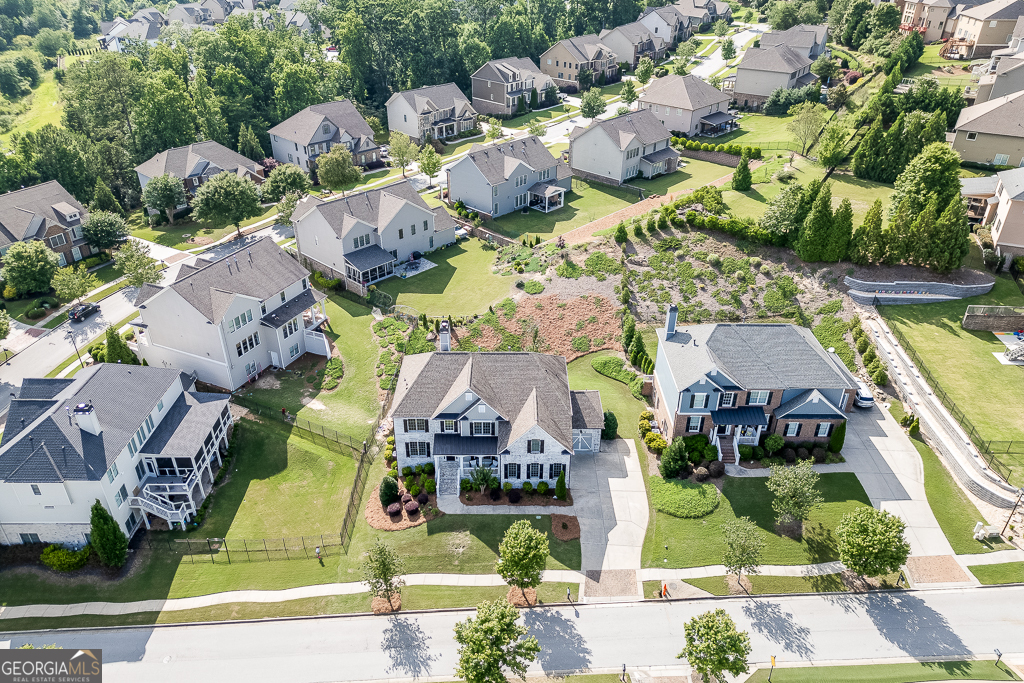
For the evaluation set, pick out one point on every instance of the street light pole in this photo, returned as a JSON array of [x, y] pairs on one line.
[[71, 335]]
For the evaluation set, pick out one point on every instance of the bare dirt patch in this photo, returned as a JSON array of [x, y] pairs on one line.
[[315, 404], [565, 527], [516, 597], [377, 516], [384, 606], [267, 381], [741, 587], [610, 583], [855, 583], [935, 569], [474, 498]]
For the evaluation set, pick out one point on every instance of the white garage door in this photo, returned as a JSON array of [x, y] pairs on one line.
[[582, 441]]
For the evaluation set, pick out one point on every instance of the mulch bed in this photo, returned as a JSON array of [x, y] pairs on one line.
[[382, 606], [515, 596], [377, 516], [547, 500], [569, 532]]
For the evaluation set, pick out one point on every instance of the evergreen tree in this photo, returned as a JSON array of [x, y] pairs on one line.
[[912, 138], [897, 235], [249, 144], [866, 244], [806, 202], [637, 349], [813, 243], [741, 177], [534, 99], [869, 151], [892, 146], [951, 238], [117, 349], [103, 199], [935, 129], [842, 231], [921, 232], [107, 538], [935, 171]]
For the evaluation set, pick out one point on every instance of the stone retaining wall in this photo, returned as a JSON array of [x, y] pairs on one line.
[[864, 292], [714, 157], [871, 299], [992, 323]]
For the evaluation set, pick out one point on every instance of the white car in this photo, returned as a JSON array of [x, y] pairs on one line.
[[864, 397]]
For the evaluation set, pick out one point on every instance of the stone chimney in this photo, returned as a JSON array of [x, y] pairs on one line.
[[670, 326], [85, 415]]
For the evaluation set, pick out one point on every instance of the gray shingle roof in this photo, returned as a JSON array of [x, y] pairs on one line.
[[985, 185], [997, 9], [780, 58], [1000, 116], [374, 207], [820, 403], [303, 126], [1013, 182], [186, 425], [123, 396], [663, 154], [509, 70], [587, 412], [642, 124], [635, 33], [539, 394], [801, 35], [369, 257], [683, 92], [431, 98], [293, 307], [260, 270], [200, 159], [587, 48], [498, 162], [26, 214]]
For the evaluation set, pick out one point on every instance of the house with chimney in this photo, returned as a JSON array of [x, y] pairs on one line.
[[737, 383], [46, 213], [228, 320], [460, 412], [140, 440]]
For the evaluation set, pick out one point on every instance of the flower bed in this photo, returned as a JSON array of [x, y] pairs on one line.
[[474, 497]]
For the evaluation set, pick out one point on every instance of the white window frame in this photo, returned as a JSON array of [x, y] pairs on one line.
[[822, 425], [972, 135], [754, 397], [693, 424], [731, 403], [792, 429], [1001, 159], [481, 428]]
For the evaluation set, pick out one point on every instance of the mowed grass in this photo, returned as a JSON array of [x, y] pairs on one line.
[[698, 542], [461, 283], [174, 235], [615, 396], [543, 116], [761, 585], [990, 394], [757, 128], [911, 672], [585, 203], [991, 574], [693, 173]]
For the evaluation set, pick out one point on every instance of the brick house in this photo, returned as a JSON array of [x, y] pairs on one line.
[[460, 411], [738, 383], [48, 213]]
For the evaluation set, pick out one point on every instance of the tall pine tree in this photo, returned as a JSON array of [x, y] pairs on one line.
[[951, 238], [868, 243], [814, 237], [892, 144], [869, 151], [842, 231], [897, 235], [806, 202], [935, 129]]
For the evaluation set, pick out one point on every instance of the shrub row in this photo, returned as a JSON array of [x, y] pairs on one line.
[[734, 149]]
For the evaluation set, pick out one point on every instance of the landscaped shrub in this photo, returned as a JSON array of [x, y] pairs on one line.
[[406, 497], [393, 473], [414, 490], [391, 441], [801, 453], [746, 451], [335, 369], [506, 487], [428, 469], [611, 426], [838, 439], [701, 474], [788, 455], [62, 559], [493, 483], [388, 490], [466, 485], [412, 507], [514, 496], [495, 493], [527, 487], [422, 498], [533, 287], [430, 486], [560, 491], [542, 488], [418, 470], [655, 442], [716, 469], [395, 509], [683, 498], [407, 471], [758, 453], [819, 454]]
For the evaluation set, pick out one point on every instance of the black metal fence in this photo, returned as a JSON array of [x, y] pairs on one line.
[[228, 550], [313, 431], [989, 449]]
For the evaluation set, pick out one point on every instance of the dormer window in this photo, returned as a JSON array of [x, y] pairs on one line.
[[326, 129], [73, 216]]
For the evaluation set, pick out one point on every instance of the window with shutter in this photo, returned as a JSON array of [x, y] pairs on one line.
[[792, 428]]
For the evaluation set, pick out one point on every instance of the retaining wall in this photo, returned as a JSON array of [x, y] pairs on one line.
[[865, 292], [992, 323], [714, 157]]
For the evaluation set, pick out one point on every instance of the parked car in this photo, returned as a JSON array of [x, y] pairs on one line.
[[864, 397], [80, 313]]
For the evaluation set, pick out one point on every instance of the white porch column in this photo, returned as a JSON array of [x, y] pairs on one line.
[[145, 519]]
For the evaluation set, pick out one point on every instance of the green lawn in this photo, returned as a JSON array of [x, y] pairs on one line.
[[615, 396], [693, 173], [758, 128], [544, 116], [174, 236], [19, 307], [587, 202], [930, 61], [45, 108], [610, 92], [461, 283], [460, 146], [697, 542], [990, 574], [762, 585], [961, 360], [890, 673]]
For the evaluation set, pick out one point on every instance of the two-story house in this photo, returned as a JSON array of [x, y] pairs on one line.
[[273, 18], [144, 26], [564, 60], [362, 236], [998, 202], [512, 176], [48, 213], [668, 22], [810, 41], [737, 383], [228, 320], [984, 28], [631, 42], [190, 14], [140, 440], [933, 19], [991, 132], [433, 112], [499, 84], [707, 11], [301, 138], [617, 149], [1003, 74], [197, 163], [512, 413], [763, 70], [688, 105]]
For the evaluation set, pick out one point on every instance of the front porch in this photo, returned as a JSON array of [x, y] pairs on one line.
[[546, 198], [737, 427]]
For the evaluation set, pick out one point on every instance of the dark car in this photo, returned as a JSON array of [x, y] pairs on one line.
[[80, 313]]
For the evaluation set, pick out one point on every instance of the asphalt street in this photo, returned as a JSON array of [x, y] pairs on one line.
[[947, 623]]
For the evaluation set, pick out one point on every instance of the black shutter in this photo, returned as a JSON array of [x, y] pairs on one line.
[[542, 445], [799, 426], [769, 401], [693, 397], [701, 428], [540, 472], [428, 448], [405, 426], [707, 400], [407, 450], [427, 423], [748, 399]]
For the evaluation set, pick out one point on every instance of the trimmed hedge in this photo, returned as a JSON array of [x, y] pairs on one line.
[[684, 499], [62, 559]]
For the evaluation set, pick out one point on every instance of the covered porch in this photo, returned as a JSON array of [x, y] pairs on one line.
[[718, 123], [466, 453], [368, 265], [309, 305], [546, 197], [742, 426], [445, 128], [656, 163]]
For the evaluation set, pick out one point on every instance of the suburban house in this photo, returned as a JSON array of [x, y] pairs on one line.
[[48, 213], [933, 19], [362, 236], [991, 132], [511, 176], [564, 60], [1003, 74], [140, 440], [998, 202], [144, 26], [433, 112], [289, 18], [197, 163], [802, 38], [460, 411], [737, 383], [699, 18], [668, 22], [226, 321], [631, 42], [715, 10], [617, 149], [498, 85], [301, 138], [220, 10], [688, 105], [190, 14], [763, 69], [983, 29]]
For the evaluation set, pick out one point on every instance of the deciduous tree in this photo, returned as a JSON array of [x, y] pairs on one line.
[[728, 49], [872, 542], [832, 145], [644, 70], [209, 119], [522, 555], [714, 646], [492, 642], [744, 543], [592, 104], [808, 119], [430, 163], [104, 230], [825, 68], [796, 492], [229, 198], [164, 193], [286, 207], [284, 179], [29, 267], [721, 28], [336, 170], [382, 571], [134, 261], [628, 93], [72, 283]]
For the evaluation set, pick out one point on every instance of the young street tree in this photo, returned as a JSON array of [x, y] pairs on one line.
[[164, 193], [402, 150], [743, 546], [521, 556], [29, 267], [808, 118], [714, 646], [336, 170], [134, 261], [628, 93], [284, 179], [536, 128], [721, 28], [71, 283], [286, 207], [229, 198], [796, 492], [430, 163], [493, 642], [105, 230], [382, 571], [107, 539], [644, 70], [592, 104], [872, 542], [728, 49], [493, 131]]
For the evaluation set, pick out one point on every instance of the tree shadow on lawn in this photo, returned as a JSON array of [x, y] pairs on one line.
[[433, 281], [490, 529]]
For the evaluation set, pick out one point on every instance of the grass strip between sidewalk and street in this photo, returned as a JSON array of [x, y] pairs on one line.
[[909, 672], [993, 574]]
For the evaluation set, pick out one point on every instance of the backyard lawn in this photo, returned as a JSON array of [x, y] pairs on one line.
[[696, 542], [910, 672], [460, 284], [693, 173], [615, 396], [542, 116], [930, 61], [959, 359], [174, 236], [587, 202], [758, 128]]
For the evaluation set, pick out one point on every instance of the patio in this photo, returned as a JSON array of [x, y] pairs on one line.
[[718, 123], [545, 197], [410, 268]]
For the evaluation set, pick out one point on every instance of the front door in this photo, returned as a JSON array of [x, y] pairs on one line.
[[76, 252], [275, 359], [723, 430]]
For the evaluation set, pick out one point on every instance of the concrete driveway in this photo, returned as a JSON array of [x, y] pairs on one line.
[[610, 501]]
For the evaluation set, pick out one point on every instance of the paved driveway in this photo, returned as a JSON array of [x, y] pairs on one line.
[[610, 501]]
